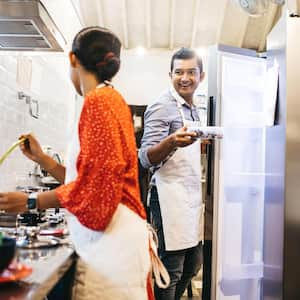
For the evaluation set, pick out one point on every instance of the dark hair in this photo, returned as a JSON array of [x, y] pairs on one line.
[[98, 50], [186, 53]]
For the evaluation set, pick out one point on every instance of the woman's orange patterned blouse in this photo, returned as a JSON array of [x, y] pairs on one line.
[[106, 164]]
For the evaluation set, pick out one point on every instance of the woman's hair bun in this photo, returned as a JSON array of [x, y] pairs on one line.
[[109, 68]]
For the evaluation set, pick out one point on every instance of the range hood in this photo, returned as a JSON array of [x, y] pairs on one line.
[[26, 25]]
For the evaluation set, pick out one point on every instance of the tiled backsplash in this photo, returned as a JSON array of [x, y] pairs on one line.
[[56, 98]]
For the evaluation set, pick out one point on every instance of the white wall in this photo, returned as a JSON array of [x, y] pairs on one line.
[[56, 98], [143, 77]]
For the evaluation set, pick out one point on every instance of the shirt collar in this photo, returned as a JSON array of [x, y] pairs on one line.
[[180, 99]]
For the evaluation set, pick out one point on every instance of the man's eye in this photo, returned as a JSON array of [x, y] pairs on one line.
[[178, 72]]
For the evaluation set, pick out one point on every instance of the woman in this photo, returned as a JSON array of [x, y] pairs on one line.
[[100, 191]]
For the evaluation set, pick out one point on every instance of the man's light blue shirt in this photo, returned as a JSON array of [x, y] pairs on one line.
[[161, 119]]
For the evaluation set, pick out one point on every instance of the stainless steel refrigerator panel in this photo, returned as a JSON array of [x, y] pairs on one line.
[[291, 272]]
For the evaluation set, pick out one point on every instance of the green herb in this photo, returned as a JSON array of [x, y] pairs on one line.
[[1, 238]]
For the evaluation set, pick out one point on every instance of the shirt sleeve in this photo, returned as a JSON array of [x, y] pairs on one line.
[[95, 194], [156, 128]]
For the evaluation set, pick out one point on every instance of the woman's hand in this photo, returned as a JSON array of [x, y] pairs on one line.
[[13, 202], [183, 138], [32, 149]]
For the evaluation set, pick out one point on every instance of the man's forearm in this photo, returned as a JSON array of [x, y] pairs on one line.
[[157, 153]]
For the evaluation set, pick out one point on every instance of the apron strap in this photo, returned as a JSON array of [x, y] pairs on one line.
[[160, 273], [180, 109], [104, 83], [179, 106]]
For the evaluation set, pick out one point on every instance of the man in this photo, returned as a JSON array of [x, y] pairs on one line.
[[173, 153]]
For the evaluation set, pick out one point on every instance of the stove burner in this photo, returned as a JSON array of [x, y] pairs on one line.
[[31, 240], [31, 219], [44, 242]]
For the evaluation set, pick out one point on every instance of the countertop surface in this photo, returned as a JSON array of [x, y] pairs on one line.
[[48, 266]]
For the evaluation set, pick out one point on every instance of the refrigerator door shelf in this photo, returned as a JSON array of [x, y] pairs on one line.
[[244, 271]]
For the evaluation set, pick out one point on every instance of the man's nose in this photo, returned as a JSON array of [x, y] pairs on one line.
[[185, 76]]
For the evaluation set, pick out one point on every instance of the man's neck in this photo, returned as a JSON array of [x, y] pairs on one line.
[[189, 101]]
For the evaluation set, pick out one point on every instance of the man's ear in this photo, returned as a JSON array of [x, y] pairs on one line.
[[72, 59], [202, 76], [170, 75]]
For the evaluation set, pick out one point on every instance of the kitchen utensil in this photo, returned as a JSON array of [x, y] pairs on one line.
[[41, 242], [54, 232], [32, 240]]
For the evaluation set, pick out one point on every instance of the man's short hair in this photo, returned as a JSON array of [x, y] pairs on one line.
[[186, 53]]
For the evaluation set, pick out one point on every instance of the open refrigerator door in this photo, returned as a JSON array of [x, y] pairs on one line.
[[239, 177]]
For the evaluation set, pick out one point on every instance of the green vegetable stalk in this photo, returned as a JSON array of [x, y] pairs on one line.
[[11, 149]]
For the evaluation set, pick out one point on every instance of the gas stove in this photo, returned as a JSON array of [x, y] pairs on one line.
[[50, 218], [30, 239], [35, 230], [32, 219]]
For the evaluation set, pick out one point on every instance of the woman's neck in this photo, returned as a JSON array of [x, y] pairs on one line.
[[88, 83]]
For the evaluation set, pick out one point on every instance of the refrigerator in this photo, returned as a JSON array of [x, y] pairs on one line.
[[242, 176]]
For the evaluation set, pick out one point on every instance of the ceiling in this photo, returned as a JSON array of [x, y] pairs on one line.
[[170, 24]]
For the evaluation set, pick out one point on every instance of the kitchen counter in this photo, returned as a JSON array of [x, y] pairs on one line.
[[51, 267], [48, 265]]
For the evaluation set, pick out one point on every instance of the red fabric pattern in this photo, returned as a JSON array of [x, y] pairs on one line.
[[150, 292], [107, 162]]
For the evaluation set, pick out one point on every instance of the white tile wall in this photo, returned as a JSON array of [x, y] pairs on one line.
[[56, 98]]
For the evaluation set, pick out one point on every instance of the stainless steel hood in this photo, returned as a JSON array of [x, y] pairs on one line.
[[26, 25]]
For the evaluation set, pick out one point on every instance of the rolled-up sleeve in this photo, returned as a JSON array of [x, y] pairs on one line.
[[156, 128]]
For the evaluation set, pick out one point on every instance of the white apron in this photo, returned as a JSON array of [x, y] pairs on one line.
[[178, 184], [115, 263]]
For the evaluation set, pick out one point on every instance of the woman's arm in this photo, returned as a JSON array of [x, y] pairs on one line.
[[17, 201], [32, 149], [56, 170]]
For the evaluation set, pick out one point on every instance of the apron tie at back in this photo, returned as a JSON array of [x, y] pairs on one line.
[[160, 273]]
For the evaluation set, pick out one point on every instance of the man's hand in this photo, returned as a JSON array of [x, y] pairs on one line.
[[13, 202], [183, 138], [180, 138], [206, 141]]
